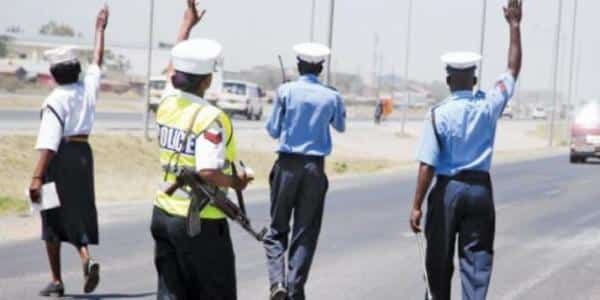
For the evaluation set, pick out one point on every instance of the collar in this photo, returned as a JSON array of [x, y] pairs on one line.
[[309, 78], [463, 94], [193, 98]]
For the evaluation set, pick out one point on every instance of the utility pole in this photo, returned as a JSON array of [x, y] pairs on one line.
[[406, 65], [331, 16], [482, 43], [380, 78], [577, 71], [375, 61], [572, 61], [312, 20], [149, 69], [555, 74]]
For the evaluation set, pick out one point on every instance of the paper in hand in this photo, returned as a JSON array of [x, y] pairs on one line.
[[48, 198]]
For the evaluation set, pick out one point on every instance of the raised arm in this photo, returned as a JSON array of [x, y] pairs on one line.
[[191, 17], [101, 22], [513, 13]]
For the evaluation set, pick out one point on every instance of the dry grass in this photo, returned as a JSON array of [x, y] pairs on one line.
[[8, 205], [127, 167], [561, 132]]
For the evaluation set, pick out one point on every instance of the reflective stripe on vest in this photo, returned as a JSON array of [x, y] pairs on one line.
[[174, 116]]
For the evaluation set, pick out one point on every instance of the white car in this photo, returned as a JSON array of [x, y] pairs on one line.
[[159, 83], [157, 86], [508, 111], [539, 113], [241, 97]]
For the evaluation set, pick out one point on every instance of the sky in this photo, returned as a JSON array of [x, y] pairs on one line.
[[255, 32]]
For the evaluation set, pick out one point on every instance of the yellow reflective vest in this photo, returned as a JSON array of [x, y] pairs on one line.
[[174, 117]]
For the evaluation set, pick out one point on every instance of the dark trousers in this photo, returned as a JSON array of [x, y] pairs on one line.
[[462, 205], [298, 189], [202, 267]]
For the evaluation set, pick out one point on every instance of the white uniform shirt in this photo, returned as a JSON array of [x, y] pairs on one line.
[[211, 144], [75, 105]]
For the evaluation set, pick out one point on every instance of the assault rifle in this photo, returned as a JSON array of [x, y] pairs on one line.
[[201, 195]]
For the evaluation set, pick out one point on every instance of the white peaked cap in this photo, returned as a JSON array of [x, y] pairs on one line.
[[60, 55], [312, 53], [197, 56], [461, 60]]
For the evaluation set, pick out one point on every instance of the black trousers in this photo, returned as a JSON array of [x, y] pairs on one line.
[[462, 205], [202, 267], [298, 189]]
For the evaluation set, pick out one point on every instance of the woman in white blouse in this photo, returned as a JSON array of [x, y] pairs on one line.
[[66, 159]]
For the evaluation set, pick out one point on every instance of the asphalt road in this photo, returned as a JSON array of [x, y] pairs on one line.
[[27, 120], [547, 243]]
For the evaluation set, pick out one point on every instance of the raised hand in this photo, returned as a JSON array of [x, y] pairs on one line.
[[101, 22], [513, 12], [192, 16], [102, 19]]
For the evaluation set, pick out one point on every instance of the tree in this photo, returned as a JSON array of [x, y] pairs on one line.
[[3, 49], [56, 29], [4, 41], [16, 29]]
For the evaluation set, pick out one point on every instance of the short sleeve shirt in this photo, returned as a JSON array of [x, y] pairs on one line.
[[211, 148], [303, 112], [466, 127], [69, 110]]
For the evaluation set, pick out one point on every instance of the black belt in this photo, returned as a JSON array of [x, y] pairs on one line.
[[76, 139], [468, 176], [301, 157]]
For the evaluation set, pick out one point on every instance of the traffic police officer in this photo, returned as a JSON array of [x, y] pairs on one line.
[[302, 115], [193, 134], [66, 160], [457, 146]]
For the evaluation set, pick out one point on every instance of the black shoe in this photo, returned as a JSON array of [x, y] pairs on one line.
[[91, 274], [278, 292], [53, 290]]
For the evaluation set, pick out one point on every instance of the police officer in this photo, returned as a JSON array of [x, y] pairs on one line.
[[457, 146], [302, 114], [66, 160], [193, 134]]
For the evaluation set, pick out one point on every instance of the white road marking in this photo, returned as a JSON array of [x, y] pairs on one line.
[[569, 250], [587, 218], [552, 193]]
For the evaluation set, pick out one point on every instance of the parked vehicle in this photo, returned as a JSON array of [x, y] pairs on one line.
[[539, 113], [585, 133], [508, 111], [157, 86], [241, 98], [159, 83]]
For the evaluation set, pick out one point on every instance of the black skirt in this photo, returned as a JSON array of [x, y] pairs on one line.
[[76, 220]]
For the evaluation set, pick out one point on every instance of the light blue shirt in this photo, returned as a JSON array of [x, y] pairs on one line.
[[466, 124], [302, 114]]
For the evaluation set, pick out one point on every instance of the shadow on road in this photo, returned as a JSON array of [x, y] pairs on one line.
[[109, 296]]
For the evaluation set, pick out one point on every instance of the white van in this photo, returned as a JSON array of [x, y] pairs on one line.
[[243, 98], [159, 83]]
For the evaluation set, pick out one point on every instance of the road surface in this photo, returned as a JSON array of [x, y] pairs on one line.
[[547, 244], [27, 120]]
